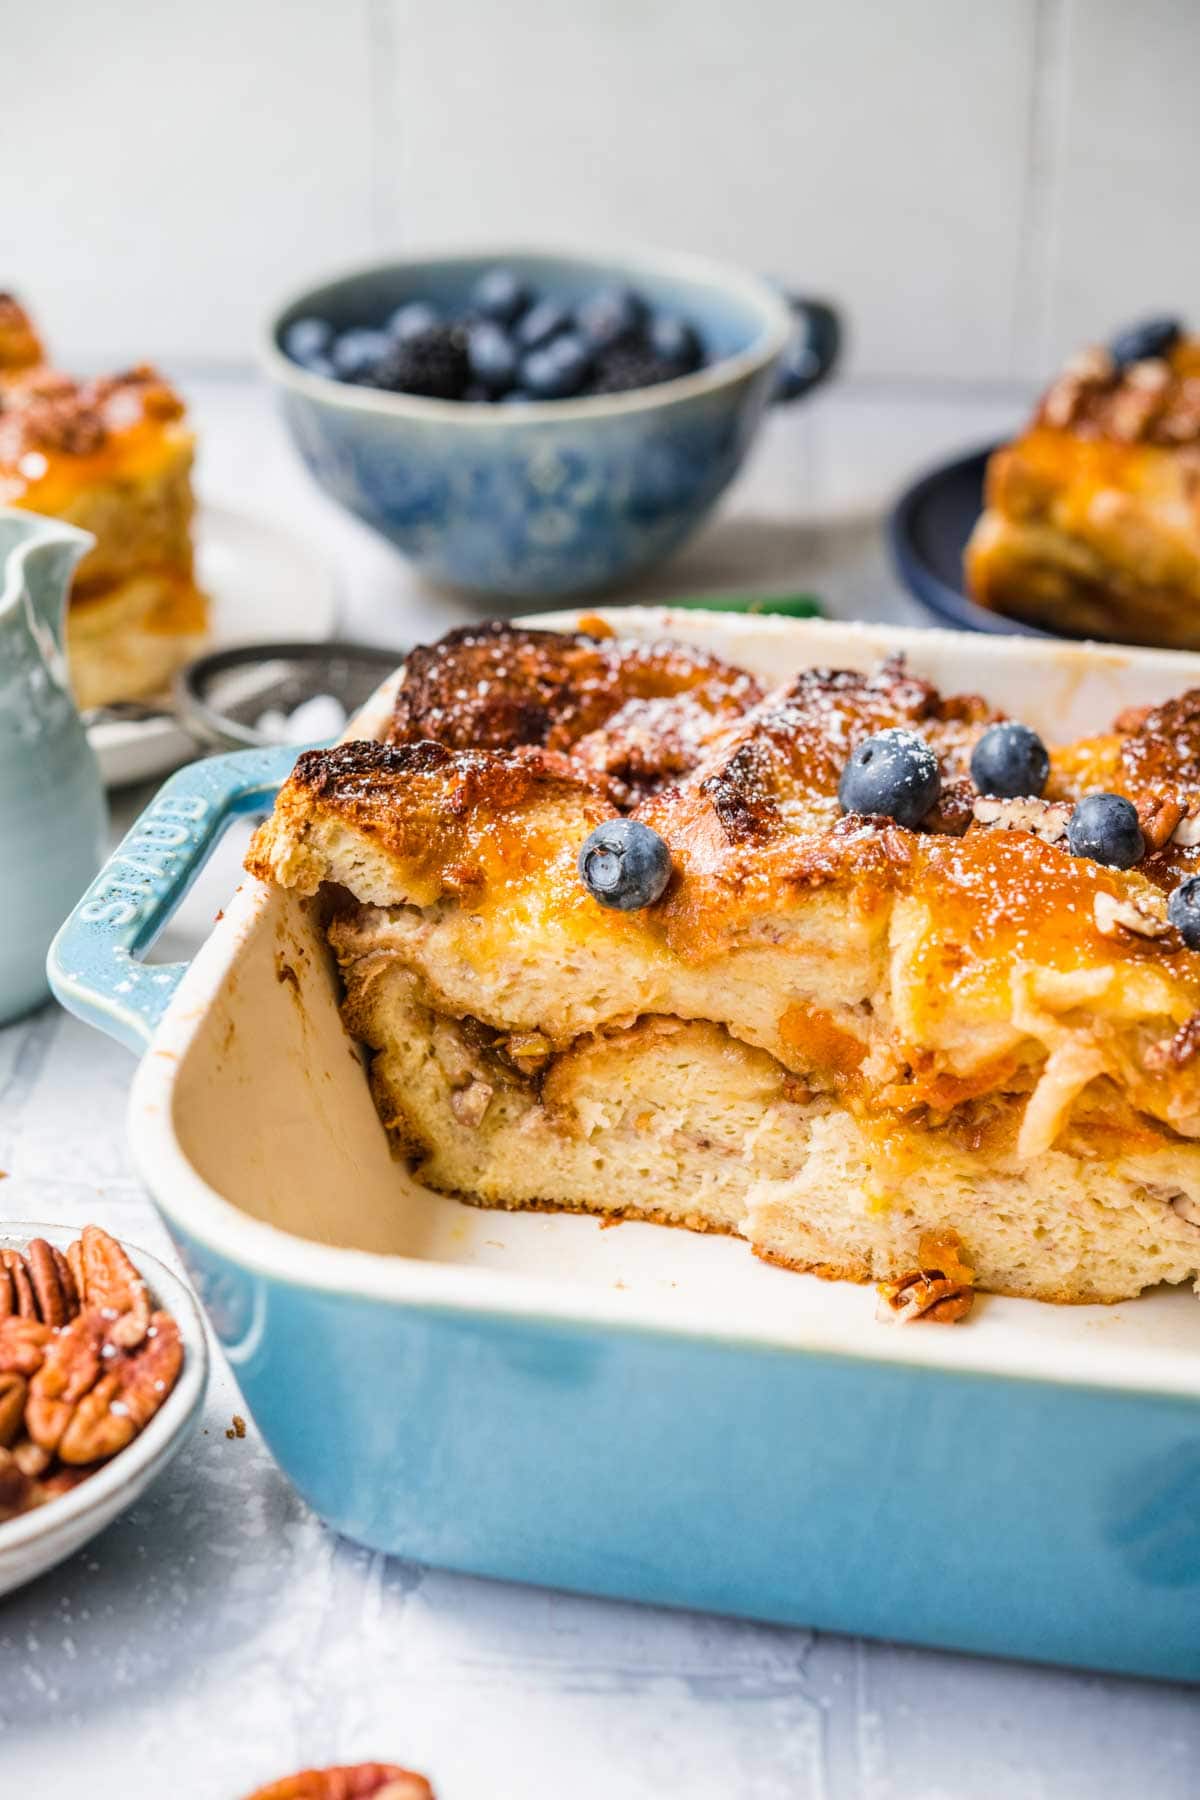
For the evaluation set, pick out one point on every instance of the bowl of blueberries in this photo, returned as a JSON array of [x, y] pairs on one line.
[[538, 425]]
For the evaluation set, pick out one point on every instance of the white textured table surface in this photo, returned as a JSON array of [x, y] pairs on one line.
[[218, 1636]]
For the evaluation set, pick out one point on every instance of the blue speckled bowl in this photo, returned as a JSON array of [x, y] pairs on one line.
[[554, 498]]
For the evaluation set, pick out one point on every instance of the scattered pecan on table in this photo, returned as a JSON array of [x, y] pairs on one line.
[[942, 1289], [85, 1364], [363, 1781]]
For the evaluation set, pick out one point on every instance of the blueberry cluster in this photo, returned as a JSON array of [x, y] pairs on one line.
[[509, 345], [894, 774]]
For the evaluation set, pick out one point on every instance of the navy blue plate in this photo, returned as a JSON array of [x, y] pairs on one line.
[[927, 534]]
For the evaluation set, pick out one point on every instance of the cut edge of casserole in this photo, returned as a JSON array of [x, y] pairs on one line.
[[830, 1035]]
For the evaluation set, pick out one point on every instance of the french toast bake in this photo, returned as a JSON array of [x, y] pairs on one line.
[[817, 1027], [20, 346], [112, 455], [1091, 524]]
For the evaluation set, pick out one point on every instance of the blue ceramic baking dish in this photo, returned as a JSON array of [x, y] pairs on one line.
[[639, 1412]]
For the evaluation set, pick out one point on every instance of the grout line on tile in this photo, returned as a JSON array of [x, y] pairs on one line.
[[1039, 226]]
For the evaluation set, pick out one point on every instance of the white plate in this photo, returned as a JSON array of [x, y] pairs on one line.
[[263, 583], [36, 1541]]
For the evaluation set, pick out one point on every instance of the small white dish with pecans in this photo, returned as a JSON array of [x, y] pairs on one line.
[[111, 1318]]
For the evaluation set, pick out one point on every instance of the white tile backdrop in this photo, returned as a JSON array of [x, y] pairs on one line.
[[981, 186]]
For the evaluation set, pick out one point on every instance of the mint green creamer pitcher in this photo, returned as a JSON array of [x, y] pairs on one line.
[[52, 812]]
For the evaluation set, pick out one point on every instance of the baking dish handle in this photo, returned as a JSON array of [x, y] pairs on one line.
[[94, 965]]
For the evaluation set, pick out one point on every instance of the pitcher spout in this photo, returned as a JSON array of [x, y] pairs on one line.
[[38, 557]]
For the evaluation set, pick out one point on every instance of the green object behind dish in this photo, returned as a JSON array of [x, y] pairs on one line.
[[789, 606]]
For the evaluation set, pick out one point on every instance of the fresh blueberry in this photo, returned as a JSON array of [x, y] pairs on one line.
[[307, 339], [558, 370], [515, 397], [676, 342], [1105, 828], [542, 322], [500, 295], [625, 864], [893, 774], [356, 353], [1010, 762], [613, 316], [1183, 910], [492, 356], [1152, 337], [411, 319]]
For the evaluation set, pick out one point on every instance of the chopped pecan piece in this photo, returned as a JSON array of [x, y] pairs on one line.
[[954, 809], [1159, 819], [363, 1781], [1046, 819], [1175, 1052], [1141, 915], [942, 1289]]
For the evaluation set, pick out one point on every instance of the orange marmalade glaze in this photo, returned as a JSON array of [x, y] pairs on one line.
[[822, 1042], [997, 898], [60, 437]]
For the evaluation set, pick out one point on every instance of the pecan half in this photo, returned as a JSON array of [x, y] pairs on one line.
[[362, 1781], [14, 1390], [126, 1397], [22, 1345], [20, 1298], [52, 1281], [111, 1283], [70, 1370], [941, 1290]]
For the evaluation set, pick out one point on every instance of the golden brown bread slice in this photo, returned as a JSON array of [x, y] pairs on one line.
[[952, 1027], [1092, 517], [112, 455]]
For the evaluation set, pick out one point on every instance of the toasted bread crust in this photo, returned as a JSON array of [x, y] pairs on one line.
[[496, 686]]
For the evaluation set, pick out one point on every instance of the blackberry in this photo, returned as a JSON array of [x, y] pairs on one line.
[[432, 363], [630, 366]]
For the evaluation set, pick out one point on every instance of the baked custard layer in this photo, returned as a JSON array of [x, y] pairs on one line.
[[830, 1034]]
